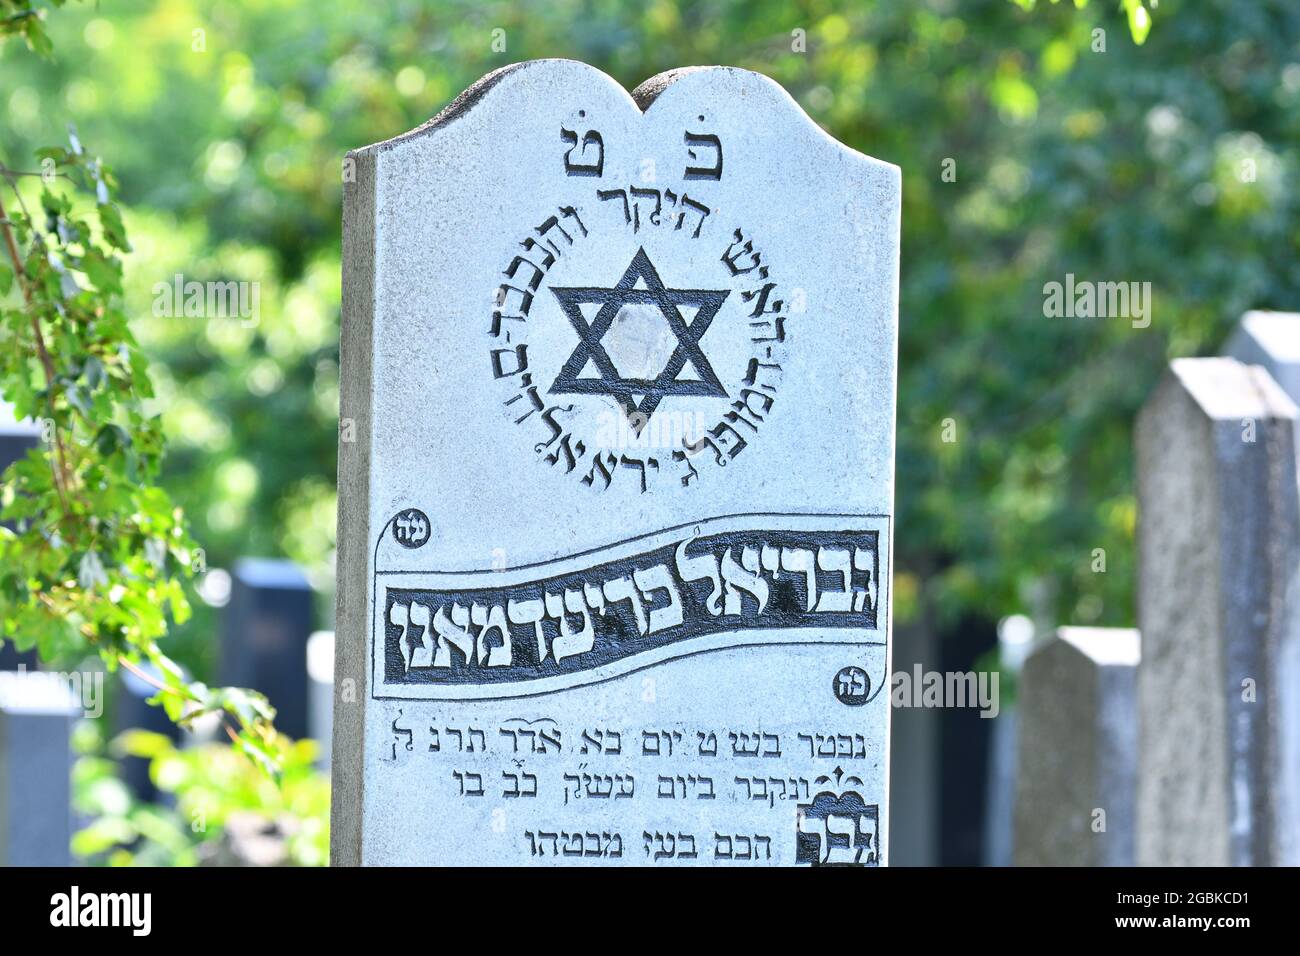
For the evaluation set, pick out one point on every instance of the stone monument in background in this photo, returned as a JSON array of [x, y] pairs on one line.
[[1219, 610]]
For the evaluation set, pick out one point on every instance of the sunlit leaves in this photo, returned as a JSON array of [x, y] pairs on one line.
[[98, 553], [1139, 20], [1137, 14], [211, 789], [26, 18]]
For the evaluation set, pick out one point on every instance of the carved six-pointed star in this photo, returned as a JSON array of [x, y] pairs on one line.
[[640, 286]]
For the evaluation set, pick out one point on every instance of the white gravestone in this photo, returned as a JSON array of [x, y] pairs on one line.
[[1270, 339], [320, 692], [1219, 610], [1076, 791], [616, 480]]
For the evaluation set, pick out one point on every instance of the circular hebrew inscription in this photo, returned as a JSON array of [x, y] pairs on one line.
[[411, 528], [638, 343], [852, 686]]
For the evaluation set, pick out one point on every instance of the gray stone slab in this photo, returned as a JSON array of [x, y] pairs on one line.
[[915, 771], [36, 718], [1015, 641], [615, 480], [320, 692], [1076, 782], [264, 635], [1270, 339], [1219, 560]]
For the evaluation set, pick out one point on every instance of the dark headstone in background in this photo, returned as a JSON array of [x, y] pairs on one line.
[[36, 719], [11, 659], [132, 712], [914, 765], [16, 439], [264, 637], [965, 739]]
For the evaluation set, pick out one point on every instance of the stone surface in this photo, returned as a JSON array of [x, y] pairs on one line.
[[915, 752], [264, 637], [36, 717], [1270, 339], [596, 606], [1076, 786], [1015, 641], [16, 439], [320, 692], [1219, 561]]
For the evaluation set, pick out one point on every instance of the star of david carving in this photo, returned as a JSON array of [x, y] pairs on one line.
[[639, 397]]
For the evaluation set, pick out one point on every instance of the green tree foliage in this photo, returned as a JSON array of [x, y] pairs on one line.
[[1139, 18], [1033, 143], [95, 553], [213, 796], [1072, 151]]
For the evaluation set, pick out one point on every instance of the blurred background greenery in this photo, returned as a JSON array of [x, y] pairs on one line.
[[227, 122]]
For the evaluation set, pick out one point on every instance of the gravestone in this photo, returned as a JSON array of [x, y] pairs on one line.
[[320, 692], [1270, 339], [915, 764], [965, 745], [1218, 588], [1015, 640], [132, 711], [615, 480], [37, 712], [17, 438], [264, 637], [1076, 788]]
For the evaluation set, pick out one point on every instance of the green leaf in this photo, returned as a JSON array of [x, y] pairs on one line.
[[141, 743], [104, 273], [102, 835], [1139, 21], [110, 220], [111, 438]]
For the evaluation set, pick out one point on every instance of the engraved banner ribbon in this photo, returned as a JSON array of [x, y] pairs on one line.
[[728, 582]]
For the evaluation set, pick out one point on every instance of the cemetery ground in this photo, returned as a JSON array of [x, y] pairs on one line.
[[426, 441]]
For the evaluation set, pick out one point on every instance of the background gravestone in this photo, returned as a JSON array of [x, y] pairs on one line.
[[616, 480], [264, 637], [1270, 339], [16, 439], [37, 712], [1078, 742], [1218, 589], [915, 756], [132, 711], [1015, 641], [320, 692]]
